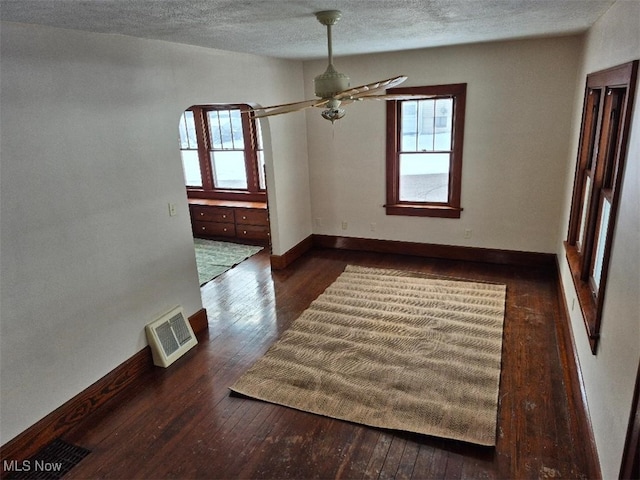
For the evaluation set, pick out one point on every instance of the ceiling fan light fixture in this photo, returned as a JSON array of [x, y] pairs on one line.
[[333, 114]]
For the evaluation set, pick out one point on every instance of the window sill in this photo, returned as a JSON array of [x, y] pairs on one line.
[[587, 303], [240, 195], [414, 210]]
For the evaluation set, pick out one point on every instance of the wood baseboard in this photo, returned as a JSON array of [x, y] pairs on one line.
[[70, 414], [451, 252], [280, 262], [576, 393], [199, 321]]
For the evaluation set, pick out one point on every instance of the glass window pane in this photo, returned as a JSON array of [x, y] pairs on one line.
[[602, 238], [425, 125], [258, 134], [214, 130], [424, 177], [188, 131], [409, 126], [226, 136], [236, 130], [228, 169], [182, 129], [225, 127], [443, 122], [262, 183], [191, 168], [586, 196]]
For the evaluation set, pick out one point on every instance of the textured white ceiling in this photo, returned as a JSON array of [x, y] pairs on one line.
[[288, 28]]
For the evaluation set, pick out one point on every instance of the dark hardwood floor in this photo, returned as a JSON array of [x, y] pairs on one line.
[[182, 423]]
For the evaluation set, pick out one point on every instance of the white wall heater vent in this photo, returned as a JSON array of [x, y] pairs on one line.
[[170, 337]]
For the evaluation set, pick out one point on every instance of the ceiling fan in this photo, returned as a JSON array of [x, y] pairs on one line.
[[333, 88]]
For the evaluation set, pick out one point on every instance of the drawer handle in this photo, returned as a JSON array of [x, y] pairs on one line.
[[204, 228], [202, 214], [244, 217], [244, 232], [224, 216], [224, 229]]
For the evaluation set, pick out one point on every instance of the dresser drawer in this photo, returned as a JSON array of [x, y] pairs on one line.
[[253, 232], [214, 229], [251, 216], [200, 213], [246, 222]]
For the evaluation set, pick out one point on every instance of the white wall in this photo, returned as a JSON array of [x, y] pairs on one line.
[[609, 376], [520, 98], [288, 181], [89, 163]]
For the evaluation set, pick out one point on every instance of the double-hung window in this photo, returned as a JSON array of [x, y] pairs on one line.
[[424, 150], [596, 189], [221, 150]]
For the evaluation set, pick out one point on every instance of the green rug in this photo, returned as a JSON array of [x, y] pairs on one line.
[[214, 258]]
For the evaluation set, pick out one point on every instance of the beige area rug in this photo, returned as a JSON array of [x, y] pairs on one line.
[[392, 349]]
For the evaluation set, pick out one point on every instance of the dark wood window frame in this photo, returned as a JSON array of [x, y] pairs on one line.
[[253, 192], [452, 208], [604, 136]]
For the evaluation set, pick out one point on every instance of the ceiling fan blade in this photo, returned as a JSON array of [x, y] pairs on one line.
[[396, 96], [287, 107], [388, 96], [370, 88]]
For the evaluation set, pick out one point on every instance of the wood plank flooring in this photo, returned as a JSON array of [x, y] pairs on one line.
[[182, 423]]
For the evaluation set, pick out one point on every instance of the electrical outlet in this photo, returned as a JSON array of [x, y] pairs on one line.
[[172, 210], [318, 221], [345, 225], [467, 233], [373, 226]]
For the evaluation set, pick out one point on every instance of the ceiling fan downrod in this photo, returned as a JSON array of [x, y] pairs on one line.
[[329, 18], [331, 81]]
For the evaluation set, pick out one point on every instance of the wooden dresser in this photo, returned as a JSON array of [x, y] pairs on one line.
[[230, 220]]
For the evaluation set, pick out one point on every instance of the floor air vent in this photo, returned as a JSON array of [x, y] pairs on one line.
[[170, 337], [51, 462]]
